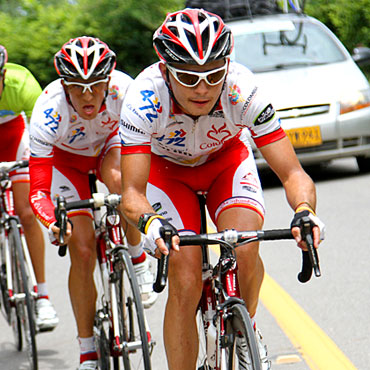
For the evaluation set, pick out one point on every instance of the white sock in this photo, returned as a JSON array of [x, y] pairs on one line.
[[135, 250], [42, 289], [87, 344]]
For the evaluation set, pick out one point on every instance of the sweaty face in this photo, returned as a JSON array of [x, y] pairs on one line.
[[199, 99], [86, 96]]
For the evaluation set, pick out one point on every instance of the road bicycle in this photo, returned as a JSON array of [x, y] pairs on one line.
[[17, 278], [227, 339], [121, 330]]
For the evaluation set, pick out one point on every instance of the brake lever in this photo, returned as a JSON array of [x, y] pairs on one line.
[[312, 262], [61, 216], [162, 266]]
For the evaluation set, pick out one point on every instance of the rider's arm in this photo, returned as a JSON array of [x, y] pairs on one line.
[[135, 169], [299, 187]]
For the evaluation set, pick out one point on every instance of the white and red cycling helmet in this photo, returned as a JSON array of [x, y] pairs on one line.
[[3, 57], [84, 57], [193, 36]]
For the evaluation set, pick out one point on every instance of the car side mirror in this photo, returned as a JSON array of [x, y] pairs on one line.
[[361, 55]]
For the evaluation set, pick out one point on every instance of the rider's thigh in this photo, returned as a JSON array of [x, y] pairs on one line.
[[82, 244], [242, 219], [21, 202], [110, 171], [185, 275]]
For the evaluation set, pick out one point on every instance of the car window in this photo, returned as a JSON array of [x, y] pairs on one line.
[[306, 44]]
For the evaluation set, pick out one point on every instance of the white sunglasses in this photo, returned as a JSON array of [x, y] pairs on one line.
[[87, 86], [192, 78]]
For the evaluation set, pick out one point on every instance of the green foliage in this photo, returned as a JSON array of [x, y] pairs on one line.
[[34, 30], [349, 20]]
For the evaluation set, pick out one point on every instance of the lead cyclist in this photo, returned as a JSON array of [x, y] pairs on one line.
[[184, 129]]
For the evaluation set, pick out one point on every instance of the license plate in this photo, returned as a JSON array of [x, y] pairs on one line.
[[305, 136]]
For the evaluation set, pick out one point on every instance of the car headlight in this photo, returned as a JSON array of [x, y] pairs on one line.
[[354, 101]]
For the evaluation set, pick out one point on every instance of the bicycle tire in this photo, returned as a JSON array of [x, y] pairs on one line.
[[136, 353], [103, 349], [202, 344], [239, 327], [15, 311], [26, 306]]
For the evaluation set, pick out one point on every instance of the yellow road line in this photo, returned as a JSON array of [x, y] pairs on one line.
[[318, 350]]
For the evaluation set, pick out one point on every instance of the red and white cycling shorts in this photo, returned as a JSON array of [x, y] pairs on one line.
[[15, 146], [71, 174], [229, 177]]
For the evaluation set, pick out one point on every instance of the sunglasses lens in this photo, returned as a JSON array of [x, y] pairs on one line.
[[216, 77], [188, 78]]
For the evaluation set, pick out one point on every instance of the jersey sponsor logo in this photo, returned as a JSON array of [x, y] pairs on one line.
[[133, 110], [218, 135], [265, 115], [175, 138], [114, 92], [153, 105], [4, 113], [39, 141], [73, 119], [110, 123], [235, 95], [248, 102], [130, 127], [78, 132], [54, 119]]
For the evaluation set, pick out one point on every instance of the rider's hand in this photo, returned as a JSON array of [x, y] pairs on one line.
[[318, 227], [153, 239], [54, 232]]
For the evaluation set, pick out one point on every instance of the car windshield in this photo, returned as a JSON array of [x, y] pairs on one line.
[[300, 44]]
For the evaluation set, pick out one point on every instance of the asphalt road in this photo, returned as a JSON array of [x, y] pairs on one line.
[[338, 302]]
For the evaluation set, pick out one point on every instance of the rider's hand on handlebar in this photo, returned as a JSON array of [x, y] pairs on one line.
[[318, 227], [54, 233], [154, 244]]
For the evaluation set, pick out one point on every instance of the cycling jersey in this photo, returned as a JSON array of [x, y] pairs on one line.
[[20, 93], [56, 127], [150, 120], [210, 154], [18, 97]]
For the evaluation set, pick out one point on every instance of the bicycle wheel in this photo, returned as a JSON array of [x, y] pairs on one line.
[[15, 310], [101, 340], [242, 351], [202, 348], [25, 303], [136, 352]]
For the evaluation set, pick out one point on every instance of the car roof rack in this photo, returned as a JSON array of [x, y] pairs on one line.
[[236, 9]]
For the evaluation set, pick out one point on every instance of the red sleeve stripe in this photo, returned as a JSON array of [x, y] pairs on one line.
[[269, 138], [136, 149]]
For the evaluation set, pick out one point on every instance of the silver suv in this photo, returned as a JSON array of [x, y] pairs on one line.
[[321, 95]]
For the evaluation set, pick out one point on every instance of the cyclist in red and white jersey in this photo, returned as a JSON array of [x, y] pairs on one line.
[[19, 91], [183, 130], [74, 131]]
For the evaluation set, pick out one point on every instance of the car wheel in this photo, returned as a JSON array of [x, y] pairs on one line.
[[363, 164]]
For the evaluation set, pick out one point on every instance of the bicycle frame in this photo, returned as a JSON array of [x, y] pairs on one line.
[[108, 237], [120, 326], [7, 212]]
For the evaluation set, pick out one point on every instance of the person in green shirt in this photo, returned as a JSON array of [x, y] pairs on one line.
[[18, 93]]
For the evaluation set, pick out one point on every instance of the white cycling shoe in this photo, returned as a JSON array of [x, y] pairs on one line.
[[145, 279], [262, 348], [245, 362], [46, 316], [88, 365]]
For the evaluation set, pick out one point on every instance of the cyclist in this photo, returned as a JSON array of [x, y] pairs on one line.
[[182, 131], [18, 93], [74, 130]]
